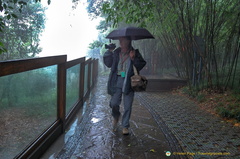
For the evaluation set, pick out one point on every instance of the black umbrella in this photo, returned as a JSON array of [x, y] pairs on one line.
[[133, 32]]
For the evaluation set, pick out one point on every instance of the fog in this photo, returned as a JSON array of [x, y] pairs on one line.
[[67, 31]]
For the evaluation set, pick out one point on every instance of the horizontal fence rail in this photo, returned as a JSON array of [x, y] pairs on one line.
[[49, 90]]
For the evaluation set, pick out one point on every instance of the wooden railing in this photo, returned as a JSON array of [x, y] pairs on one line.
[[87, 77]]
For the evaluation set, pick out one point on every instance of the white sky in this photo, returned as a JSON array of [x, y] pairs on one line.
[[67, 31]]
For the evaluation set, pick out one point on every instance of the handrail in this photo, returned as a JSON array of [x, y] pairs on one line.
[[75, 62], [43, 141], [17, 66]]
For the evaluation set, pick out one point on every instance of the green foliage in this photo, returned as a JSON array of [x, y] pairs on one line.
[[200, 98], [229, 107], [128, 11], [94, 51], [8, 7], [104, 26], [95, 44], [94, 7], [20, 12], [2, 48], [20, 36], [192, 92], [231, 111], [72, 88], [41, 106], [28, 88]]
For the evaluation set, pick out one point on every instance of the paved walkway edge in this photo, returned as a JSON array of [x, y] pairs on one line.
[[172, 140]]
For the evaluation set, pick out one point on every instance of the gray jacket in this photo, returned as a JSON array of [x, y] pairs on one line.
[[111, 60]]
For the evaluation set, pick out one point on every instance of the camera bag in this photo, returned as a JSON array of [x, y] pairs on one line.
[[138, 82]]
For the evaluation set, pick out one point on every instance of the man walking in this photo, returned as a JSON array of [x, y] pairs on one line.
[[121, 62]]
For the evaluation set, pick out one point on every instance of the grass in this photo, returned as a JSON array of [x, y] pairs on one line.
[[225, 105], [230, 111], [201, 98], [34, 105]]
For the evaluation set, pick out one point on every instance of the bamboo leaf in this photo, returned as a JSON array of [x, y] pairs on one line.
[[14, 15], [8, 16]]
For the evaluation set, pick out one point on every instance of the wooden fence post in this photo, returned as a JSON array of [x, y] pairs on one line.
[[61, 94]]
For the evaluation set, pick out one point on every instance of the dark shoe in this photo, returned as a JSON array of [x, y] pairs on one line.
[[125, 131]]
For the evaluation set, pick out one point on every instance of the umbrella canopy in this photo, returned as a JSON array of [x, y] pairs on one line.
[[133, 32]]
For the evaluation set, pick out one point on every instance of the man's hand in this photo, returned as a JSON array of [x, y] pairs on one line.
[[111, 50], [132, 54]]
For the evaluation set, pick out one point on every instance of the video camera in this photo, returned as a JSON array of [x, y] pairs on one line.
[[110, 46]]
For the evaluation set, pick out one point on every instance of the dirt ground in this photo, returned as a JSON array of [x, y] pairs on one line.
[[17, 130]]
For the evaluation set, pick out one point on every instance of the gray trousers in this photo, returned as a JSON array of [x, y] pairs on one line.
[[116, 100]]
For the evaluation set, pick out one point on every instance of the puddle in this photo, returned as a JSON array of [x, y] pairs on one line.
[[52, 156], [84, 108], [71, 131], [95, 120]]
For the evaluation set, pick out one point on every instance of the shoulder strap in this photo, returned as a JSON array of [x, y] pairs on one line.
[[135, 70]]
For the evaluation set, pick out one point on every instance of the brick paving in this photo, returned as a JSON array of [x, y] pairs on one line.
[[200, 134]]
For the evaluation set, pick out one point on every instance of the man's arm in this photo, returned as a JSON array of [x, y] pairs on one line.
[[138, 60], [108, 58]]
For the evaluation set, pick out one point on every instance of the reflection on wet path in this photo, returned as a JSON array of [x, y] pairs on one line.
[[71, 131], [92, 135], [57, 146]]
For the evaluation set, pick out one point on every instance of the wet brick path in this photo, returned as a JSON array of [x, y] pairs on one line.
[[94, 138], [160, 122], [200, 134]]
